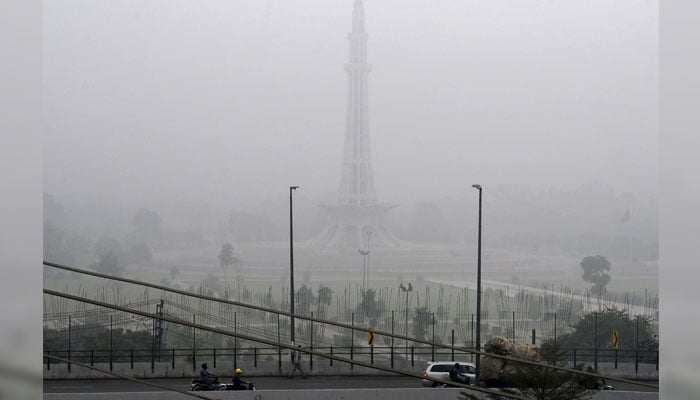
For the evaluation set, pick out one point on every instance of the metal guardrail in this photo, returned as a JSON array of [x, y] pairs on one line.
[[416, 355]]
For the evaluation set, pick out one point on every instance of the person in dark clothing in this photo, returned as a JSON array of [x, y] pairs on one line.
[[238, 383], [207, 377], [456, 375]]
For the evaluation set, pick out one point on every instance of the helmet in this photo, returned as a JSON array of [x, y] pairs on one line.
[[204, 366], [238, 371]]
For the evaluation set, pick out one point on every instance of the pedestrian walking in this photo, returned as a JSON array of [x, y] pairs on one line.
[[296, 363]]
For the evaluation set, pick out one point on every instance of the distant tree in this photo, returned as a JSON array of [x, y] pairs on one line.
[[147, 224], [421, 321], [109, 264], [594, 271], [325, 297], [609, 320], [226, 258], [304, 299], [542, 383], [369, 308]]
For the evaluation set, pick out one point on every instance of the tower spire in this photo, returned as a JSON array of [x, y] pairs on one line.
[[358, 17], [357, 212], [357, 181]]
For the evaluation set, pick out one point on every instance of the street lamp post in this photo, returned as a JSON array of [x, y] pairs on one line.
[[365, 263], [291, 261], [478, 295], [364, 254], [406, 290], [369, 238]]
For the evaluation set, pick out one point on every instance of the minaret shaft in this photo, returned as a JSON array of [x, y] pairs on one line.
[[357, 215], [357, 181]]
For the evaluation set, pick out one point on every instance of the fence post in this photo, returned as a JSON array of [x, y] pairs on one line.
[[371, 355], [153, 345], [555, 329], [331, 354], [352, 340], [657, 360], [279, 359], [574, 356], [92, 358], [453, 345], [513, 326], [173, 358], [255, 357], [111, 356], [412, 360], [595, 341], [311, 356], [636, 349], [432, 347], [534, 337], [194, 343], [69, 327], [615, 358], [235, 341], [234, 364], [392, 338], [471, 340], [279, 349], [48, 360]]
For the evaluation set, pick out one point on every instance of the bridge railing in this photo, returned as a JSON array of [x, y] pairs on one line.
[[384, 355]]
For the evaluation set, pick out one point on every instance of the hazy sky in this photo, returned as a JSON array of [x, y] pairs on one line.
[[232, 101]]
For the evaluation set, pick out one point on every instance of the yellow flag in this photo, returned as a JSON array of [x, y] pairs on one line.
[[616, 340]]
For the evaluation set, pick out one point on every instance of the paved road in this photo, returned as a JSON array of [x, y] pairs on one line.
[[316, 382]]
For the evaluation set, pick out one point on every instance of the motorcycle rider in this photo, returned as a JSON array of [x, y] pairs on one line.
[[456, 375], [238, 383], [207, 378]]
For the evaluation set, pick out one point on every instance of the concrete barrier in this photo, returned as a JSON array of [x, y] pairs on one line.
[[323, 394]]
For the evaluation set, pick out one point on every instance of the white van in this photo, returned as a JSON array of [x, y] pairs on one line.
[[441, 370]]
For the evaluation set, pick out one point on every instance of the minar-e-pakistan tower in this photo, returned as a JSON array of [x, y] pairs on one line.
[[357, 216]]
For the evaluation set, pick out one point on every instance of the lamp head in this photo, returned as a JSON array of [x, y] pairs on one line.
[[477, 186], [293, 187]]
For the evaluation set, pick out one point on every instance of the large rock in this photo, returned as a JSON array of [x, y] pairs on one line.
[[493, 368]]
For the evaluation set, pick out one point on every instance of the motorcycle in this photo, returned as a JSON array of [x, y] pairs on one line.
[[244, 386], [197, 385]]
